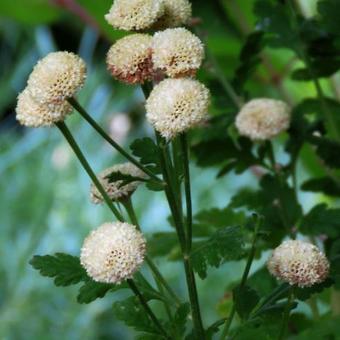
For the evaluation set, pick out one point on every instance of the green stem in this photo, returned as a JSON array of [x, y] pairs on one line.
[[185, 155], [68, 136], [243, 280], [158, 276], [94, 124], [286, 313], [145, 305]]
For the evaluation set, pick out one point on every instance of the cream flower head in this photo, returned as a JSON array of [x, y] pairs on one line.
[[113, 252], [32, 114], [176, 13], [134, 15], [262, 118], [176, 105], [57, 77], [177, 52], [298, 263], [116, 190], [130, 59]]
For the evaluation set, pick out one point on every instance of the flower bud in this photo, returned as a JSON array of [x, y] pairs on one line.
[[176, 105], [134, 15], [116, 190], [130, 59], [177, 52], [57, 77], [262, 119], [298, 263], [32, 114], [113, 252]]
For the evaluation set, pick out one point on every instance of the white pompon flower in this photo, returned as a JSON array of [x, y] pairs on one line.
[[298, 263], [176, 105], [263, 119], [177, 52], [113, 252], [116, 190], [134, 15], [130, 59], [176, 13], [56, 77], [32, 114]]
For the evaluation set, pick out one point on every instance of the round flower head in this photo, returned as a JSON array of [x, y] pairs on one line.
[[298, 263], [57, 77], [176, 13], [129, 59], [176, 105], [177, 52], [262, 118], [113, 252], [116, 190], [32, 114], [136, 15]]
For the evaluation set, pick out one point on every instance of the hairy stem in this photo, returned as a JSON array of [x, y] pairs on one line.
[[94, 124], [73, 144], [145, 305]]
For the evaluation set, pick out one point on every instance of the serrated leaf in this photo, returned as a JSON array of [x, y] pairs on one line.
[[92, 290], [322, 68], [133, 314], [65, 269], [321, 220], [124, 179], [225, 244], [147, 151], [326, 185], [328, 150], [329, 14], [180, 319], [245, 299]]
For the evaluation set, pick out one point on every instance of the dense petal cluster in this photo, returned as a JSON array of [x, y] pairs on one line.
[[116, 190], [176, 105], [32, 114], [113, 252], [130, 59], [133, 15], [177, 52], [262, 118], [56, 77], [298, 263], [176, 13]]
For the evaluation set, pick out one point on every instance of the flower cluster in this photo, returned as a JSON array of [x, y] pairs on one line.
[[113, 252], [54, 79], [298, 263], [117, 190], [262, 118]]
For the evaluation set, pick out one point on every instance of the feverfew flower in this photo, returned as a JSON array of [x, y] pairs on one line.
[[32, 114], [262, 118], [116, 190], [57, 77], [133, 15], [176, 13], [177, 52], [176, 105], [129, 59], [113, 252], [298, 263]]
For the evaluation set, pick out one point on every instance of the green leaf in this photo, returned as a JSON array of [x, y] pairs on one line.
[[328, 150], [225, 244], [124, 178], [147, 151], [329, 12], [65, 269], [180, 319], [322, 68], [162, 244], [245, 300], [92, 290], [133, 314], [321, 220], [326, 185], [305, 293]]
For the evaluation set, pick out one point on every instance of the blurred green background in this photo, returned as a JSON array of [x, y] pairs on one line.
[[44, 193]]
